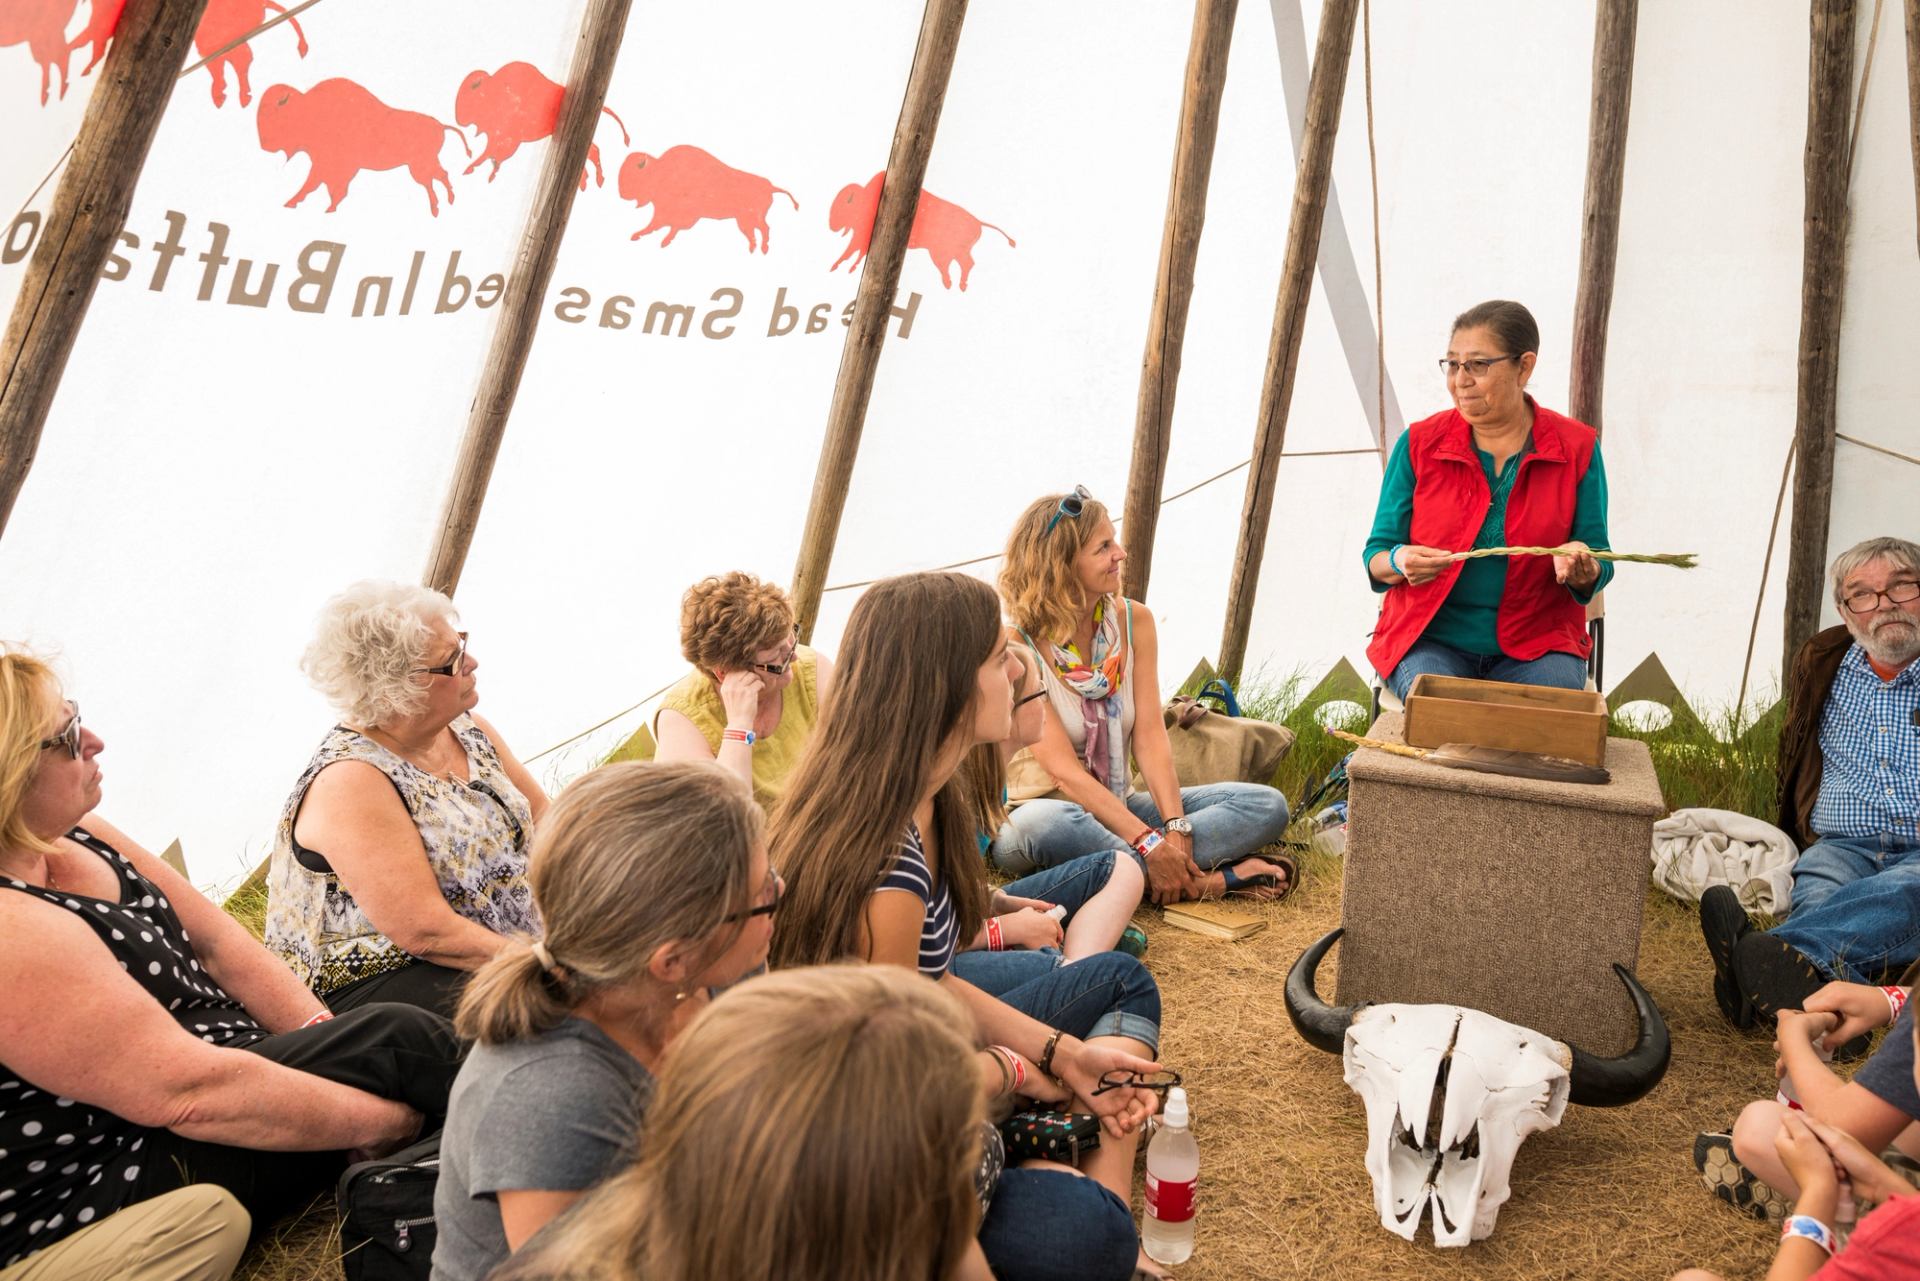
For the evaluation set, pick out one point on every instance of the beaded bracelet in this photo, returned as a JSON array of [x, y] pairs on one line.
[[1393, 559], [1045, 1061], [1896, 999], [1805, 1225], [996, 942], [746, 736]]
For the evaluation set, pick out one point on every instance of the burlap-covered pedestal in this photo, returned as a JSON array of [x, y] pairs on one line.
[[1507, 895]]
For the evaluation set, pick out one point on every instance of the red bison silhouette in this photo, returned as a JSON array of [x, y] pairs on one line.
[[102, 22], [517, 105], [344, 129], [685, 184], [41, 25], [226, 21], [946, 231]]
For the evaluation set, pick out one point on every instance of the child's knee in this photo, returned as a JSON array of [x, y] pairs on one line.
[[1753, 1133]]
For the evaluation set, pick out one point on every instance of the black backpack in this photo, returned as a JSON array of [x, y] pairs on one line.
[[386, 1215]]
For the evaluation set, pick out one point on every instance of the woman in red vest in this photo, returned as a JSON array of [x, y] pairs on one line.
[[1496, 470]]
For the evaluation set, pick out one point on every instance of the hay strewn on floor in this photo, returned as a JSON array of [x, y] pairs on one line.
[[1609, 1194]]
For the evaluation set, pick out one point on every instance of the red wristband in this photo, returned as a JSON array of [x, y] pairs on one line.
[[321, 1017], [995, 941], [1897, 998], [1019, 1068]]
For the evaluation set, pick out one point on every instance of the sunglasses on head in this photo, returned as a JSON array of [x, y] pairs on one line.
[[1071, 505], [453, 665], [69, 737]]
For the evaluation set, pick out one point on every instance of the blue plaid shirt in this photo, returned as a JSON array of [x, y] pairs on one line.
[[1870, 749]]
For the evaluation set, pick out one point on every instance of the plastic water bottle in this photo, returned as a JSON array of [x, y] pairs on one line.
[[1173, 1175]]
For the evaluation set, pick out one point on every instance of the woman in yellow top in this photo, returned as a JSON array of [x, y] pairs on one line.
[[755, 691]]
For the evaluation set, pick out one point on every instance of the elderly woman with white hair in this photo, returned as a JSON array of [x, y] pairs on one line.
[[400, 863]]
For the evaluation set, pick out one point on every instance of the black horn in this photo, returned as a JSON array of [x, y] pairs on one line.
[[1324, 1026], [1608, 1083]]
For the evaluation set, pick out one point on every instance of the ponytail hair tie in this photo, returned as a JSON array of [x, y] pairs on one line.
[[542, 955]]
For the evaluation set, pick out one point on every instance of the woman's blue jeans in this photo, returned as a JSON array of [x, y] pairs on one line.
[[1230, 821], [1071, 885], [1049, 1225], [1106, 994], [1562, 671]]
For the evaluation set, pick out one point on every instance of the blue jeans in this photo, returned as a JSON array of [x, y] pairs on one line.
[[1048, 1225], [1071, 885], [1230, 820], [1107, 994], [1856, 906], [1562, 671]]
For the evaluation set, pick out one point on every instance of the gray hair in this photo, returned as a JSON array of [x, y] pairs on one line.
[[1898, 552], [371, 639]]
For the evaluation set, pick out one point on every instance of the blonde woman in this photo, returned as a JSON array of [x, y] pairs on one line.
[[654, 886], [1099, 660], [148, 1042], [755, 691], [879, 843], [400, 862], [852, 1091]]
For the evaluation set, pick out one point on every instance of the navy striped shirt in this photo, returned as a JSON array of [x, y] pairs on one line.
[[911, 875]]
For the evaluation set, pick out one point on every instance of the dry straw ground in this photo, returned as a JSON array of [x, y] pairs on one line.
[[1608, 1194]]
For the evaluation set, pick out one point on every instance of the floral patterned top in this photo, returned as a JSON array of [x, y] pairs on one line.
[[476, 836]]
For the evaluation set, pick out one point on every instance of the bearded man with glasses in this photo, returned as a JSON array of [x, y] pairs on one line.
[[1849, 794]]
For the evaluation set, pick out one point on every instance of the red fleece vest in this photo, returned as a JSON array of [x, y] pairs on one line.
[[1450, 501]]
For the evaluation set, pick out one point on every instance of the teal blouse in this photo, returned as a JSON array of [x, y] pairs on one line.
[[1469, 618]]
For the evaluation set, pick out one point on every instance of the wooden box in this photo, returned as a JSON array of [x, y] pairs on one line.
[[1520, 718]]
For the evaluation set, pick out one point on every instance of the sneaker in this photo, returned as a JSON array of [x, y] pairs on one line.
[[1733, 1182], [1724, 923], [1773, 975]]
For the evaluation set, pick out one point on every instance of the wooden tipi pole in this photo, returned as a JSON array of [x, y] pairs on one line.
[[89, 208], [1822, 272], [1613, 32], [596, 48], [879, 281], [1325, 86], [1173, 284], [1913, 101]]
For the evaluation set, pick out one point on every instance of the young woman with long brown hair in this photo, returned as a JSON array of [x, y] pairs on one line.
[[878, 841], [820, 1122], [1100, 656], [652, 883]]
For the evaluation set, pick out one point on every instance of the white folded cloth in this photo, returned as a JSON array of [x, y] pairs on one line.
[[1693, 849]]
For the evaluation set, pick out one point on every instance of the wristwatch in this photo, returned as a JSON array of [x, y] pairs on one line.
[[1181, 826]]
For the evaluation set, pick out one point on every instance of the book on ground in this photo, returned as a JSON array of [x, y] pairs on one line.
[[1215, 920]]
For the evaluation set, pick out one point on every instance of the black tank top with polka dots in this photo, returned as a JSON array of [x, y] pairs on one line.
[[64, 1164]]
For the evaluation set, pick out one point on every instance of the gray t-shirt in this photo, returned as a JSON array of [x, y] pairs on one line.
[[1889, 1073], [558, 1113]]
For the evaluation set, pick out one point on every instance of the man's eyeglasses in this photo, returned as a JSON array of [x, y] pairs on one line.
[[69, 737], [453, 665], [1070, 506], [772, 905], [780, 668], [1123, 1079], [1478, 366], [1865, 602]]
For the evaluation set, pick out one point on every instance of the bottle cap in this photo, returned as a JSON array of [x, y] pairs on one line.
[[1175, 1113]]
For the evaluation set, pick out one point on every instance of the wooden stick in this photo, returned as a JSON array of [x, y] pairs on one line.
[[1913, 100], [595, 50], [1396, 749], [89, 209], [1326, 86], [1613, 32], [1679, 560], [1822, 273], [879, 281], [1173, 285]]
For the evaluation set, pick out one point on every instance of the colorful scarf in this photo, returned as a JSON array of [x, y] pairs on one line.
[[1098, 682]]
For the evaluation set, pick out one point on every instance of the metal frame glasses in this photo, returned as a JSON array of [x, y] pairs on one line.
[[1908, 591], [1478, 366], [453, 665], [765, 909], [68, 737], [1071, 505]]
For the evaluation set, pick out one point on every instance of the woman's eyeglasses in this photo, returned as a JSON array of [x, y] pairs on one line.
[[780, 668], [1070, 506], [69, 737], [779, 890], [1122, 1079], [453, 665], [1478, 366], [1019, 703]]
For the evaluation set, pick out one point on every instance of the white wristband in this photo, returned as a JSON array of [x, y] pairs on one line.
[[1805, 1225]]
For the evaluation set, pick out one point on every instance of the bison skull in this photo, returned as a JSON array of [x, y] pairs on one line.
[[1452, 1093]]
